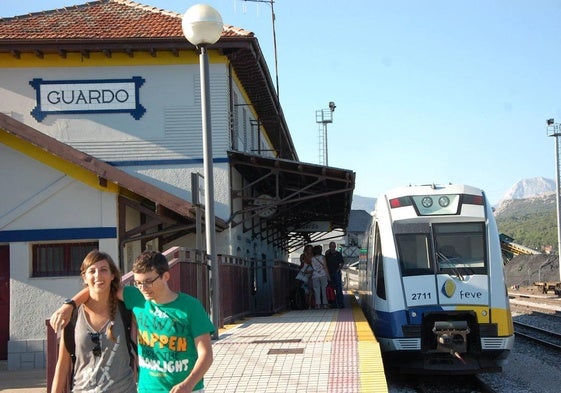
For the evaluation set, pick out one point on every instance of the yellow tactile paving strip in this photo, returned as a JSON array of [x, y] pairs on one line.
[[371, 368]]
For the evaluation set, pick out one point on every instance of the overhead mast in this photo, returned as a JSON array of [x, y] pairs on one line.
[[273, 18], [554, 130]]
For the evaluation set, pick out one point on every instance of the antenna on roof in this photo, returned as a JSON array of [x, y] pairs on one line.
[[271, 3]]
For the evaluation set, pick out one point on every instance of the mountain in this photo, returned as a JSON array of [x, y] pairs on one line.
[[538, 204], [531, 222], [527, 188]]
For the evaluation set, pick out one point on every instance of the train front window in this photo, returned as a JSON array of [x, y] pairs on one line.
[[460, 248], [414, 255]]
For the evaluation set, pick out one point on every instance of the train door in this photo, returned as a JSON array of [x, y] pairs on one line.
[[4, 300]]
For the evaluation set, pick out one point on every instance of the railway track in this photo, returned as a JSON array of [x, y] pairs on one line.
[[541, 336], [440, 384]]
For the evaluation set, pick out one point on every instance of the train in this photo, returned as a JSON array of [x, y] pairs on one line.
[[431, 281]]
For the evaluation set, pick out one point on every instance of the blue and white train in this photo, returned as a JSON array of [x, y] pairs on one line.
[[432, 284]]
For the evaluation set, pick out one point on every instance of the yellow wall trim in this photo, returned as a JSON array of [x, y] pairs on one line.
[[50, 160]]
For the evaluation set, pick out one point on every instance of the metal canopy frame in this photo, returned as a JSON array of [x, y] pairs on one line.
[[279, 198]]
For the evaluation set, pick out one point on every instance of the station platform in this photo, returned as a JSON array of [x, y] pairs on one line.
[[331, 350], [319, 351]]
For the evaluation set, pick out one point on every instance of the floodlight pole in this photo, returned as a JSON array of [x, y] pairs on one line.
[[554, 130], [324, 117]]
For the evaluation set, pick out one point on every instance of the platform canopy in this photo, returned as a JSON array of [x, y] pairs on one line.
[[291, 202]]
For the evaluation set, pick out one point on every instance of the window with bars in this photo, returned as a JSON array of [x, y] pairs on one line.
[[60, 259]]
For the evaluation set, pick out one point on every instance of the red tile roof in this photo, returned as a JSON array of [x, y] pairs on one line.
[[103, 19], [113, 26]]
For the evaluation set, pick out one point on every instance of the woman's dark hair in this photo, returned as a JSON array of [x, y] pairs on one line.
[[317, 250]]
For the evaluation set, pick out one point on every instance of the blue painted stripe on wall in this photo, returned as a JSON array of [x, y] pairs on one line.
[[28, 235], [165, 162]]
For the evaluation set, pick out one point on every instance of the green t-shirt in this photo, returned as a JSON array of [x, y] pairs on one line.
[[166, 332]]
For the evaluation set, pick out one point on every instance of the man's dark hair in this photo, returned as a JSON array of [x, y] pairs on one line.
[[150, 260]]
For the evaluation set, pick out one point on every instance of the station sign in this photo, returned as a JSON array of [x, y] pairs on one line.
[[87, 96]]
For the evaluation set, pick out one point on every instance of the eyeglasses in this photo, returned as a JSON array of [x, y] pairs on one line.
[[96, 350], [146, 284]]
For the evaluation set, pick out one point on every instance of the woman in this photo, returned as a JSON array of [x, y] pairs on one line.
[[101, 361], [320, 278], [306, 268]]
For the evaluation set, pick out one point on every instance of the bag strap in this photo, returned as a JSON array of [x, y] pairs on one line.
[[126, 317], [69, 342]]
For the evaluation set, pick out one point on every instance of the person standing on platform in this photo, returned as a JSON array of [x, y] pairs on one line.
[[94, 349], [320, 276], [306, 267], [174, 330], [335, 262]]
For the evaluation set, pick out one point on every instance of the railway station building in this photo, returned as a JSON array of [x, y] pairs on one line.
[[100, 143]]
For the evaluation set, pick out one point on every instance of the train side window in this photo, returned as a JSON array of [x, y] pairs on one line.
[[379, 263]]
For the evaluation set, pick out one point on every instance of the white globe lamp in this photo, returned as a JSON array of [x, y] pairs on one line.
[[202, 25]]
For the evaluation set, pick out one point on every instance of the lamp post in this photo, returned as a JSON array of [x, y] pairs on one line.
[[202, 26], [554, 130]]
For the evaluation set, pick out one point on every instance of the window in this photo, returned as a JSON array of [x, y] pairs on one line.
[[379, 263], [414, 257], [460, 248], [60, 259]]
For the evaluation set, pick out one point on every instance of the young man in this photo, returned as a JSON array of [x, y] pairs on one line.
[[174, 330], [334, 264]]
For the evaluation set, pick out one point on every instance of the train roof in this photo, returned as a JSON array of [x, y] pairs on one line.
[[432, 189]]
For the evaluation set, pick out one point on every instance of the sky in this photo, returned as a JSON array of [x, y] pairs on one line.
[[432, 91]]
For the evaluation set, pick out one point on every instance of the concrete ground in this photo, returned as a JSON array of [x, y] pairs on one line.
[[32, 381]]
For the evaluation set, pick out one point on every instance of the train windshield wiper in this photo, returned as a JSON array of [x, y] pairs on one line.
[[450, 264]]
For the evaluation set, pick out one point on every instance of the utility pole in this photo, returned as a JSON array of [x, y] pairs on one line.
[[554, 130]]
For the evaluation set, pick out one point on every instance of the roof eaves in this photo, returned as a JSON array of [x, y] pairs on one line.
[[98, 167]]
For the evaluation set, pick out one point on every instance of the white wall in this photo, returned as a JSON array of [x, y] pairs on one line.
[[168, 135], [39, 197]]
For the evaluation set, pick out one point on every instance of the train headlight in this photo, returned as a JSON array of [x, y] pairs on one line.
[[426, 202], [484, 313], [433, 205], [444, 201]]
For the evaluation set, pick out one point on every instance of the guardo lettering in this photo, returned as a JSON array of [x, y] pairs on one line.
[[174, 343], [76, 97], [470, 295]]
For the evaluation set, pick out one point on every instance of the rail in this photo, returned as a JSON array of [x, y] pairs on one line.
[[541, 336]]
